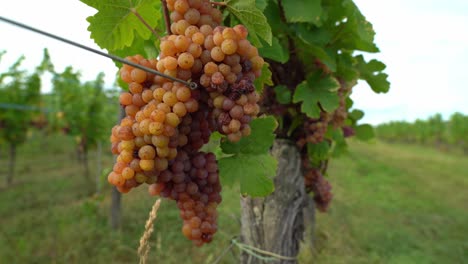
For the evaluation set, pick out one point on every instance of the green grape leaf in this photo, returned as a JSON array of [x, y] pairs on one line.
[[283, 94], [146, 48], [273, 15], [372, 73], [115, 26], [356, 115], [214, 145], [339, 146], [365, 132], [249, 160], [254, 172], [303, 11], [259, 141], [252, 18], [276, 51], [346, 66], [261, 4], [319, 151], [354, 32], [298, 120], [315, 40], [315, 90], [264, 79]]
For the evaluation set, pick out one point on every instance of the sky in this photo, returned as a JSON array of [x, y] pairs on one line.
[[424, 44]]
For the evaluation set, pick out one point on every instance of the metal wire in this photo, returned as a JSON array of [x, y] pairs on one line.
[[191, 85]]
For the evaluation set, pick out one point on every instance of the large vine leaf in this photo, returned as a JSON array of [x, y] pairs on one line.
[[277, 51], [319, 151], [317, 90], [365, 132], [372, 72], [315, 41], [259, 142], [302, 11], [255, 173], [353, 32], [252, 18], [283, 94], [249, 160], [115, 26]]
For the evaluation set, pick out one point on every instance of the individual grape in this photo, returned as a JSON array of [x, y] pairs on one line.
[[257, 63], [170, 63], [185, 60], [192, 16], [176, 16], [146, 165], [147, 96], [241, 31], [125, 99], [217, 78], [146, 153], [196, 52], [217, 54], [181, 6], [128, 173], [179, 109], [160, 141], [168, 48], [191, 30], [206, 30], [183, 94], [135, 87], [181, 43], [170, 99], [172, 119]]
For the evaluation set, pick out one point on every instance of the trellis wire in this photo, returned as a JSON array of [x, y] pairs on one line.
[[191, 85]]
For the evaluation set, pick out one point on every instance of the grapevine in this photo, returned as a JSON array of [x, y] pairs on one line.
[[158, 142]]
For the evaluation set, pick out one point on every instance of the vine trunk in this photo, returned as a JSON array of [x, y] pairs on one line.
[[277, 223]]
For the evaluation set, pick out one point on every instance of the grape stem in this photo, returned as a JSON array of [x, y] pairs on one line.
[[166, 16], [155, 33], [218, 3]]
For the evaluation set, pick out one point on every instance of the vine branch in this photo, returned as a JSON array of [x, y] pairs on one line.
[[166, 16]]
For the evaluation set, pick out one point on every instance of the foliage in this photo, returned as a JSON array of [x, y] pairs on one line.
[[18, 87], [85, 108], [311, 50]]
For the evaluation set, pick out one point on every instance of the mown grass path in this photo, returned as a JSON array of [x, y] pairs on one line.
[[396, 204], [393, 204]]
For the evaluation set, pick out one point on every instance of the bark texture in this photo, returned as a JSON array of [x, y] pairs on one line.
[[276, 223]]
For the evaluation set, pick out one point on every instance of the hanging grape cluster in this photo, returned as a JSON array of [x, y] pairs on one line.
[[166, 123]]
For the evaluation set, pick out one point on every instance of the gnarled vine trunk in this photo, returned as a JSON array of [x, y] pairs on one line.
[[276, 223]]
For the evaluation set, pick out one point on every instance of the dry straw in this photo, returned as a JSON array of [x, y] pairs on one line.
[[144, 248]]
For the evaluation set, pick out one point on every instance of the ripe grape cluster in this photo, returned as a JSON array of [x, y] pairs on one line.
[[166, 123], [313, 130], [316, 183]]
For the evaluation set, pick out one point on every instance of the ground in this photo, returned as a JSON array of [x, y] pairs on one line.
[[392, 204]]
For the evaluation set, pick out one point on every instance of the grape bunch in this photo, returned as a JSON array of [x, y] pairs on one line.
[[166, 123], [316, 183], [313, 130]]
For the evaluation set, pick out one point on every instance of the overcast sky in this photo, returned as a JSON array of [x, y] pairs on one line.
[[423, 42]]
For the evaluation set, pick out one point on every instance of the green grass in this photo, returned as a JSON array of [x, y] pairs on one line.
[[396, 204], [392, 204]]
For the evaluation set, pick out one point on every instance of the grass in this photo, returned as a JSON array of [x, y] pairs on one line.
[[393, 204]]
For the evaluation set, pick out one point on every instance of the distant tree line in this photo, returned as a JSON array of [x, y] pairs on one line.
[[435, 131]]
